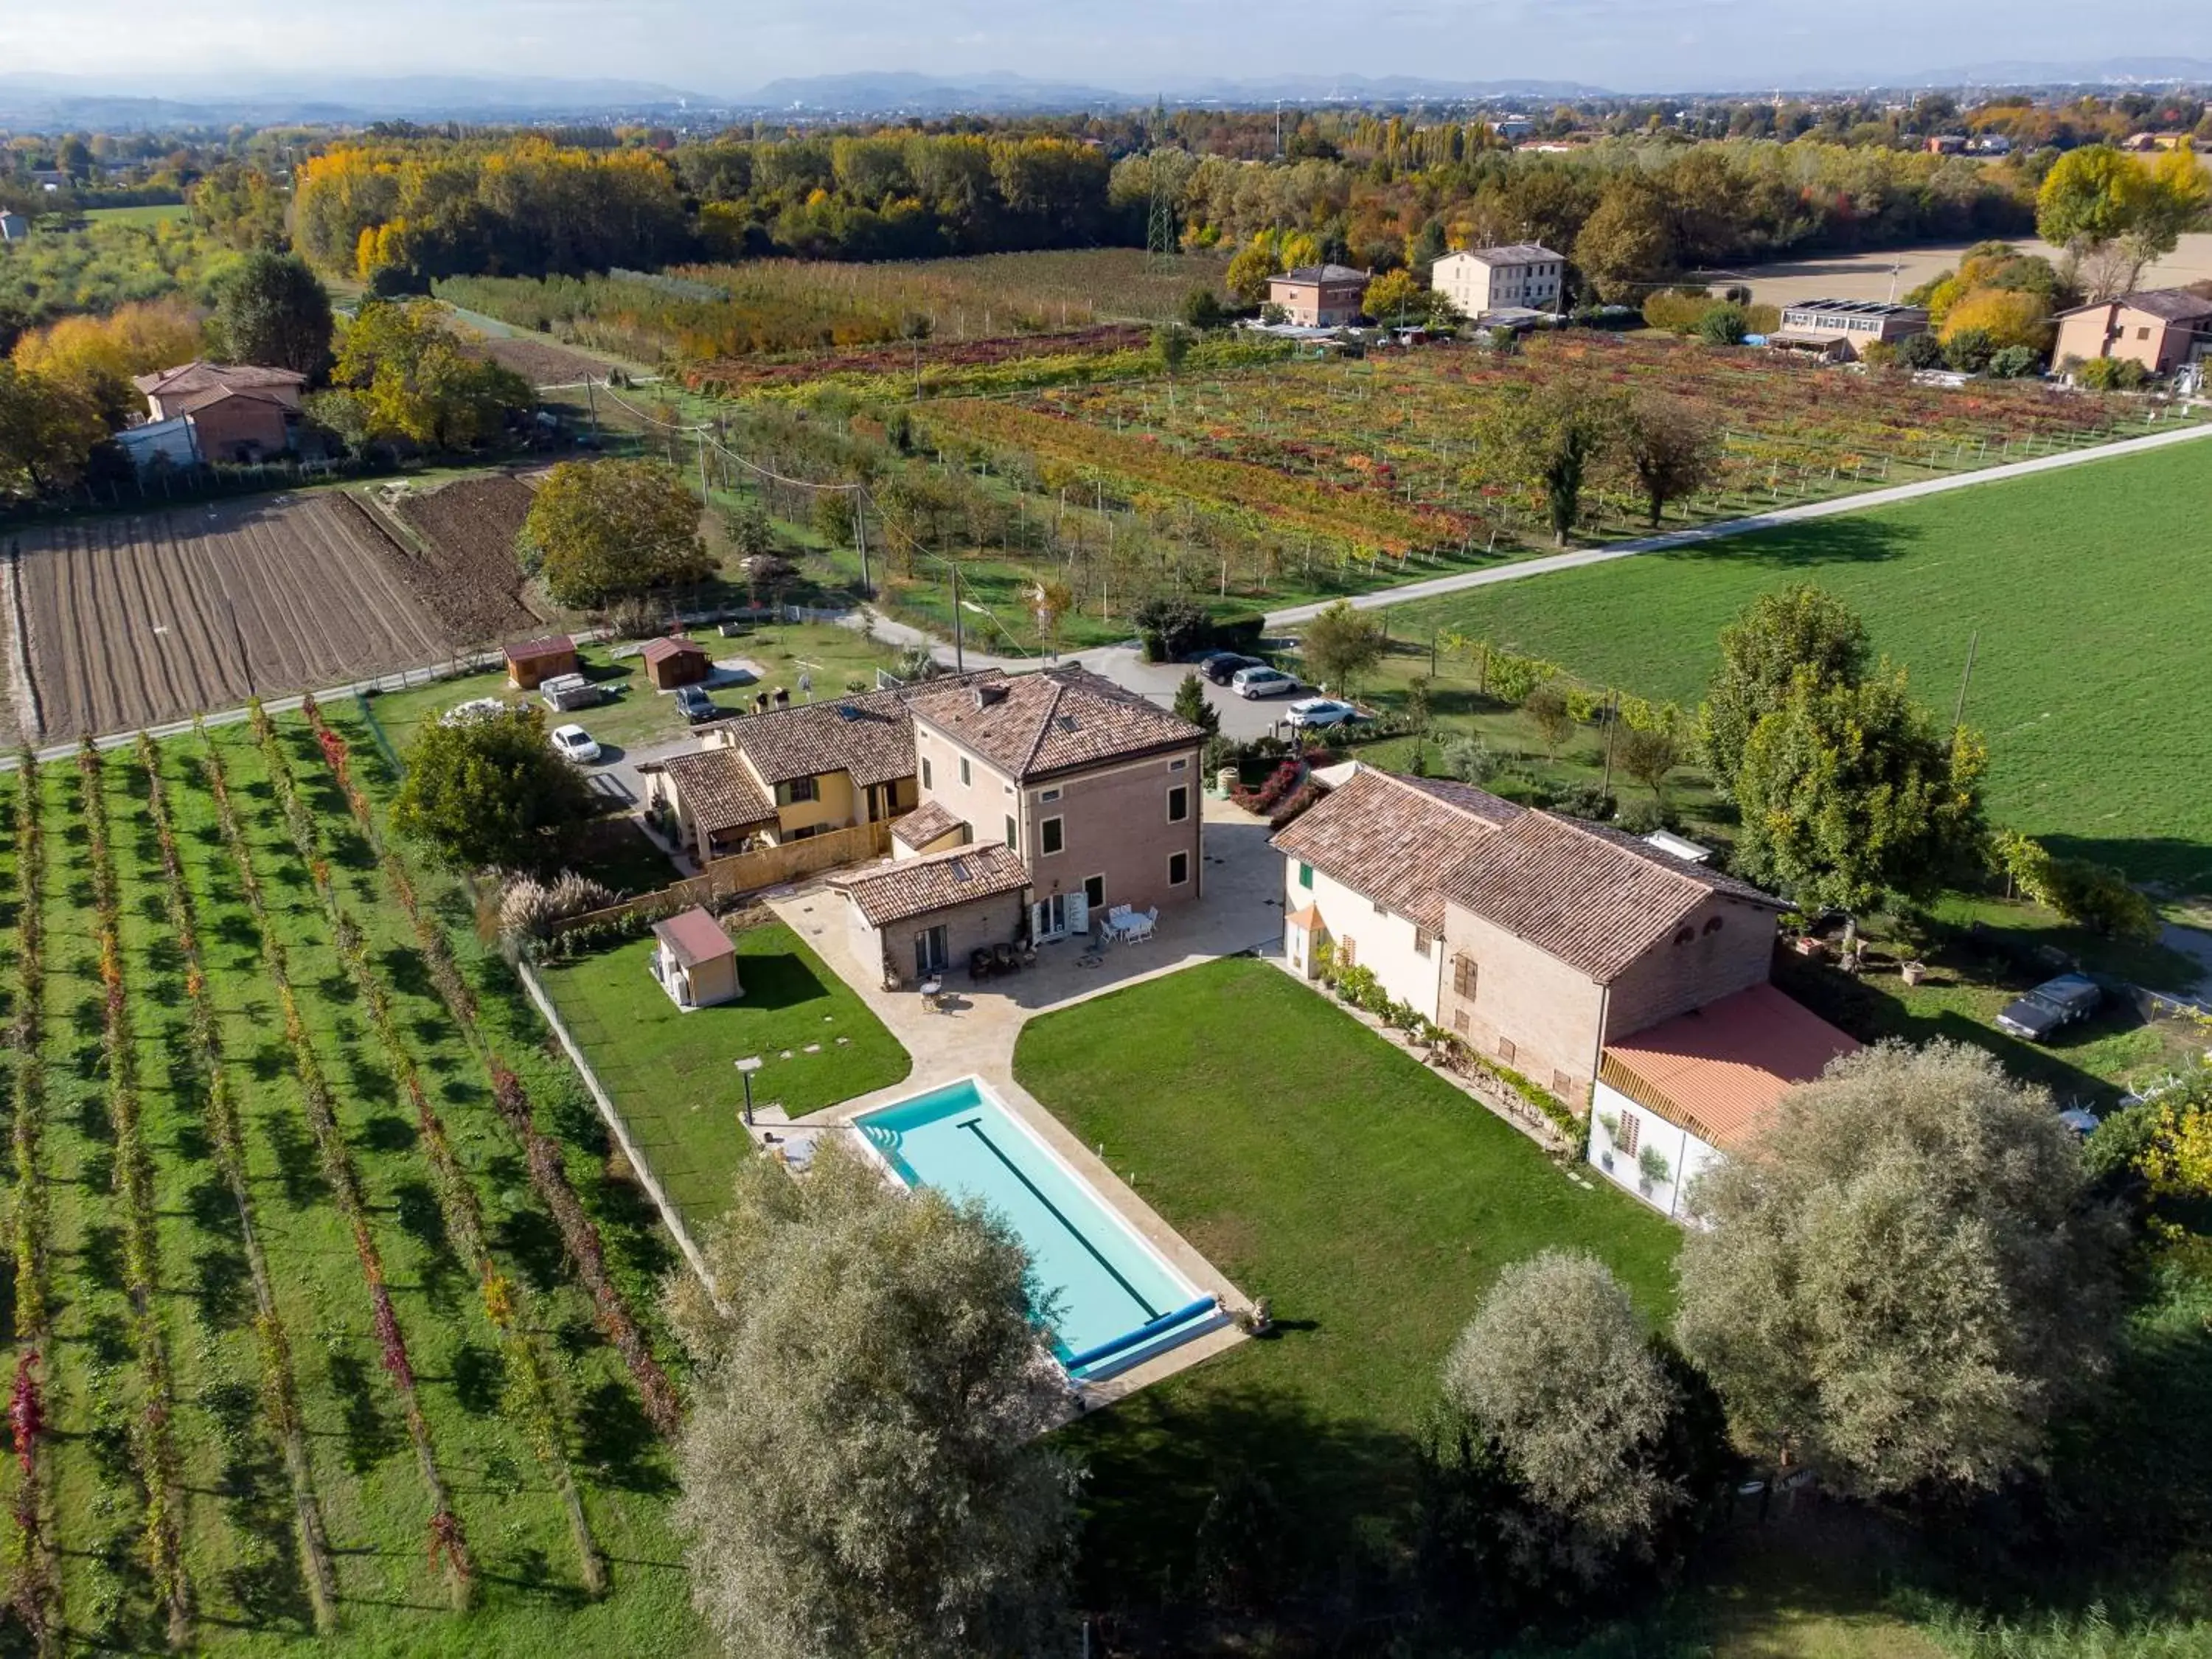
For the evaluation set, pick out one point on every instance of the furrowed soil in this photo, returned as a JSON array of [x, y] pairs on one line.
[[464, 567], [139, 619]]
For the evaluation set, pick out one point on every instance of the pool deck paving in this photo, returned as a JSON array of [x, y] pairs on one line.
[[975, 1036]]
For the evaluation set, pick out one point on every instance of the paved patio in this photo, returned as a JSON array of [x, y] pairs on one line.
[[975, 1036]]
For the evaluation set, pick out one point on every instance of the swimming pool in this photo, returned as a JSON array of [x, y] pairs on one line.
[[1116, 1300]]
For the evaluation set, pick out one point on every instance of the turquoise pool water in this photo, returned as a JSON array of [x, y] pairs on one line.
[[1114, 1299]]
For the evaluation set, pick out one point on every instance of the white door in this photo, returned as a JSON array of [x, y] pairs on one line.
[[1049, 918], [1078, 914]]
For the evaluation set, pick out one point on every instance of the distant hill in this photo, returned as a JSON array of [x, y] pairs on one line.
[[2111, 71], [889, 91], [112, 103]]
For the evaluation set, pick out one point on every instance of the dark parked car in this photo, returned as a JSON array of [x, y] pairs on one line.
[[2051, 1007], [1222, 666], [694, 705]]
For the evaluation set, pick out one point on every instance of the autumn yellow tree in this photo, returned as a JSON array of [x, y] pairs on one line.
[[2010, 317], [96, 356]]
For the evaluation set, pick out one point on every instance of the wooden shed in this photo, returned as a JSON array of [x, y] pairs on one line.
[[675, 661], [695, 961], [531, 663]]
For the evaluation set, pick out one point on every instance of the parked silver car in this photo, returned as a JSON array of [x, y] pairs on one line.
[[1262, 682]]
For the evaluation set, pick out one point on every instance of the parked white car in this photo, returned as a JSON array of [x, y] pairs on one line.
[[1313, 713], [1262, 682], [575, 743]]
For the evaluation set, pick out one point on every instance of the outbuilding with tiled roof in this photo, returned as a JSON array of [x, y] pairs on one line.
[[1671, 1100], [922, 917]]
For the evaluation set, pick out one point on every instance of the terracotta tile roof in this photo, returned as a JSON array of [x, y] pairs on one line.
[[662, 649], [1062, 719], [553, 645], [693, 936], [2172, 305], [1397, 841], [190, 380], [718, 790], [1594, 898], [936, 881], [929, 822], [1721, 1071], [869, 737]]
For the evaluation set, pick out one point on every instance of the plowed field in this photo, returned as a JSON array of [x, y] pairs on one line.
[[471, 580], [134, 621]]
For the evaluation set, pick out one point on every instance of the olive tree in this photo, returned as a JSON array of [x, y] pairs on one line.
[[1340, 645], [1591, 1419], [862, 1470], [1903, 1278]]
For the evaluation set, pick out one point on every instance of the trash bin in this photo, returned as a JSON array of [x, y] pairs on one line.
[[1224, 781]]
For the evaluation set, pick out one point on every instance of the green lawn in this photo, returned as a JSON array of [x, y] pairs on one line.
[[160, 213], [2087, 588], [1322, 1168], [674, 1077]]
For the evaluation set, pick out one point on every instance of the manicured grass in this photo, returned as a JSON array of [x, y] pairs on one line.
[[159, 213], [1322, 1168], [673, 1075], [2086, 589]]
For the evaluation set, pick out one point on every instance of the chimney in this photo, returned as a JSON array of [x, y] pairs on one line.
[[989, 694]]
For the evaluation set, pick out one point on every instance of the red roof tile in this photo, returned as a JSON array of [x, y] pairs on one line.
[[1720, 1070]]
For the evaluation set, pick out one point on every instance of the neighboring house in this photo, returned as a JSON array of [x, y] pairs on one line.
[[533, 662], [1366, 875], [671, 662], [2162, 328], [1095, 790], [930, 828], [1842, 329], [1319, 296], [1947, 143], [1672, 1101], [239, 412], [1524, 276], [1536, 940], [695, 961], [14, 227], [922, 916]]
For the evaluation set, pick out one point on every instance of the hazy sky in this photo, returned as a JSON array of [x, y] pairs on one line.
[[720, 46]]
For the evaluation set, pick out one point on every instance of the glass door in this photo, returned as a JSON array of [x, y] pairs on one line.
[[1049, 918], [929, 952]]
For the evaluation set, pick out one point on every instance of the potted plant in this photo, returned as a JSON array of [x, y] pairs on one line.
[[1651, 1165], [1914, 972]]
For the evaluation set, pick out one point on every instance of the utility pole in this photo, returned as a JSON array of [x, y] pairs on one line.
[[592, 402], [706, 494], [1958, 714], [1611, 724], [861, 537], [959, 659]]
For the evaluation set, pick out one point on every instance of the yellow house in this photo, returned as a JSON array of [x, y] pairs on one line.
[[764, 779]]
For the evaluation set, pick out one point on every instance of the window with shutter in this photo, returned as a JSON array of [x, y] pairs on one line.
[[1459, 1022], [1630, 1128], [1422, 940], [1562, 1085], [1506, 1050], [1463, 978], [1347, 952]]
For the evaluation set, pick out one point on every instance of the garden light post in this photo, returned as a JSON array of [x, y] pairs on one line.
[[746, 1068]]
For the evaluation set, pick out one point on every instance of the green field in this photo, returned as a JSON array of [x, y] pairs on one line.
[[192, 1295], [160, 213], [2088, 589], [1318, 1166]]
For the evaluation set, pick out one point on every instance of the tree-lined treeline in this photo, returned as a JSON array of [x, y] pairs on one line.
[[399, 214]]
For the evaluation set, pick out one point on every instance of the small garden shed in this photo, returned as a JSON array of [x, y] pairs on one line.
[[675, 661], [533, 662], [695, 961]]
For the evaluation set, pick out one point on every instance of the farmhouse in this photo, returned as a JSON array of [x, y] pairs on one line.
[[1093, 788], [237, 412], [533, 662], [1842, 330], [2162, 328], [1517, 276], [1319, 296], [1537, 940]]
